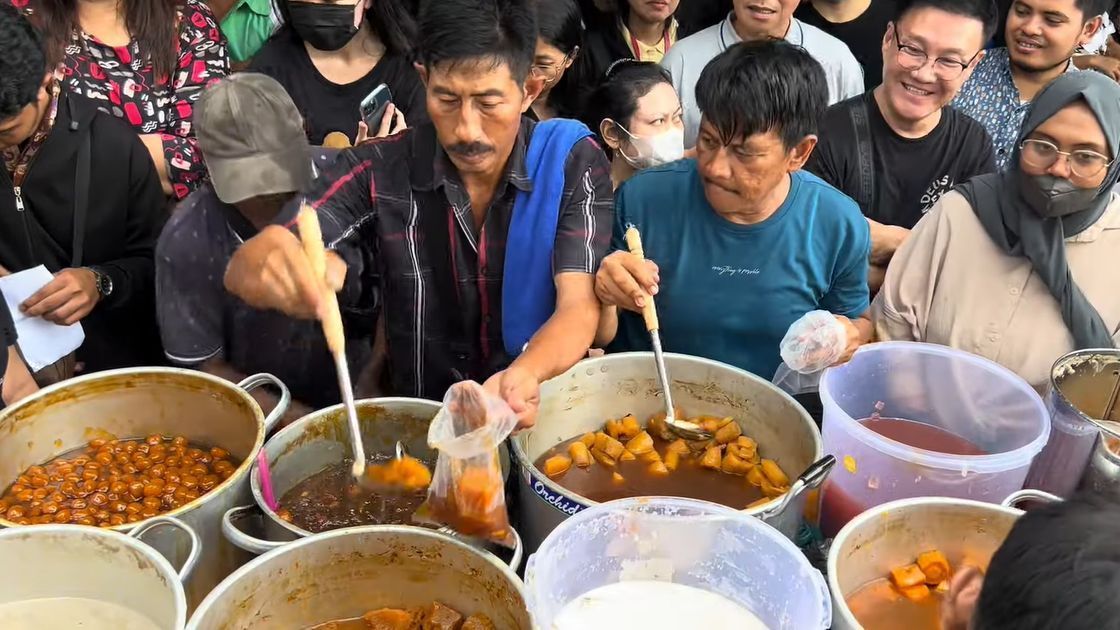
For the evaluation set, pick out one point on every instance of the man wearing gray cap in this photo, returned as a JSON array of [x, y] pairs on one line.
[[256, 150]]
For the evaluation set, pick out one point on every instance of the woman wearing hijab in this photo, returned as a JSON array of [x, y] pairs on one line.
[[1020, 267]]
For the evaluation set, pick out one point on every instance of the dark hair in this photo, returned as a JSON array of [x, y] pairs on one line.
[[22, 62], [616, 96], [983, 10], [152, 23], [1092, 8], [560, 24], [762, 86], [391, 20], [456, 31], [1058, 568]]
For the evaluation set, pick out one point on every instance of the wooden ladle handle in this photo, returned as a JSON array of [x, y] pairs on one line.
[[649, 311], [311, 235]]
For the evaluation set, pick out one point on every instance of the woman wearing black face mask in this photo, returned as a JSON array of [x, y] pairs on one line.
[[332, 53], [1021, 266]]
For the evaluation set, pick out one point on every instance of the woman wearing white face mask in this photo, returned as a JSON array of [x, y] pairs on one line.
[[1020, 266], [638, 116]]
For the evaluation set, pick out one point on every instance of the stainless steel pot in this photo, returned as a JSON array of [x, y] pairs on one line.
[[1081, 385], [139, 402], [1103, 473], [347, 572], [892, 534], [321, 439], [57, 561], [582, 399]]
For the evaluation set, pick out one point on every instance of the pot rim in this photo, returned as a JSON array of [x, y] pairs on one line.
[[163, 566], [977, 464], [238, 473], [300, 426], [840, 604], [1072, 360], [517, 442], [362, 530]]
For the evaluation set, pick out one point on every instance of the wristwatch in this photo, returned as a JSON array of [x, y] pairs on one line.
[[104, 282]]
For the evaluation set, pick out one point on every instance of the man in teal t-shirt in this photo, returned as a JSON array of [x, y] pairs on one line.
[[741, 242]]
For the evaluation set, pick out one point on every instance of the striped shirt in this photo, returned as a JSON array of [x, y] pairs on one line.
[[397, 211]]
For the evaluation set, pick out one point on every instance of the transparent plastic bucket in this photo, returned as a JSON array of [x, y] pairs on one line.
[[963, 394], [695, 543]]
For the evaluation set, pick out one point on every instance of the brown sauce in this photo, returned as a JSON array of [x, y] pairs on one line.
[[923, 436], [330, 499], [689, 480], [878, 606]]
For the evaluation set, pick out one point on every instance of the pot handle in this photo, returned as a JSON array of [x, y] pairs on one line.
[[255, 381], [1015, 498], [170, 521], [813, 476], [240, 539]]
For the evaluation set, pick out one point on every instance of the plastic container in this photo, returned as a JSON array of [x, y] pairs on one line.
[[695, 543], [1081, 385], [971, 397]]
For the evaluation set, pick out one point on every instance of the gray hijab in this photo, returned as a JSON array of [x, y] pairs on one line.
[[1019, 229]]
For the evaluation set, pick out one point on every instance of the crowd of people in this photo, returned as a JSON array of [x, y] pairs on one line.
[[921, 170]]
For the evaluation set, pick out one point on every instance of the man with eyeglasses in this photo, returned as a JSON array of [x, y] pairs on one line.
[[896, 149], [1042, 37]]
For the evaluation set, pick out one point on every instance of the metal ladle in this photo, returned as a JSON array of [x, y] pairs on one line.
[[683, 428]]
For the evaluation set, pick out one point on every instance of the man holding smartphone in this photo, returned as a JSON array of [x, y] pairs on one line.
[[479, 232]]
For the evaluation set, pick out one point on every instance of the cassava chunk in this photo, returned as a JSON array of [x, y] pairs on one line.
[[617, 478], [580, 454], [588, 439], [641, 443], [478, 621], [440, 617], [557, 465], [711, 458], [406, 473], [658, 469], [600, 443], [630, 426], [614, 428], [935, 565], [389, 619], [649, 457], [708, 423], [672, 460], [627, 456], [907, 576], [915, 593], [679, 446], [657, 426], [603, 458], [755, 477], [728, 432], [759, 502], [732, 465], [613, 448], [774, 473]]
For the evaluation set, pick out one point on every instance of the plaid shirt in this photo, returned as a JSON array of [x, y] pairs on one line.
[[398, 213]]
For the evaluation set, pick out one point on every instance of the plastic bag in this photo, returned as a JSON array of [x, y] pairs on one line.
[[814, 342], [796, 383], [467, 492]]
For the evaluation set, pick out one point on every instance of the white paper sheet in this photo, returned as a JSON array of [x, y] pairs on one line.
[[41, 342]]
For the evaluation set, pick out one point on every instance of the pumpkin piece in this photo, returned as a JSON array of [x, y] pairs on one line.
[[580, 454]]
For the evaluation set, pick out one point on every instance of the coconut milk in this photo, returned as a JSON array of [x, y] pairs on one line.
[[654, 606]]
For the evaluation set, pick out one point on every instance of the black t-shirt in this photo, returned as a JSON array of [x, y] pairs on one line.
[[910, 175], [199, 320], [863, 35], [7, 339], [327, 106]]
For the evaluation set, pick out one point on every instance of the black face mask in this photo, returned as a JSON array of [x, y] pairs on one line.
[[323, 26]]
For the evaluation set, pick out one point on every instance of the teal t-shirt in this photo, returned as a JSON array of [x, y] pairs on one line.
[[729, 292]]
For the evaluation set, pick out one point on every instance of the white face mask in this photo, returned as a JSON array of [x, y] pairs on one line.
[[654, 150]]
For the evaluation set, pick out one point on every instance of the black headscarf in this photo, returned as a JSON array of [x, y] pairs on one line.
[[1019, 230]]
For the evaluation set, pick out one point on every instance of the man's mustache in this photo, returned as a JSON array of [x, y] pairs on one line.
[[469, 149]]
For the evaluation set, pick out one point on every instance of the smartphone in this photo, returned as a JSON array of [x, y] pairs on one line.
[[373, 106]]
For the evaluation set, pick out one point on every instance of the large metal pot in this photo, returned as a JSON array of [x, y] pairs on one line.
[[892, 534], [582, 399], [321, 439], [50, 562], [1103, 473], [1082, 385], [347, 572], [139, 402]]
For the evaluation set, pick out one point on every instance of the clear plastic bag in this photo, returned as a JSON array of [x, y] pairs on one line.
[[814, 342], [796, 383], [467, 492]]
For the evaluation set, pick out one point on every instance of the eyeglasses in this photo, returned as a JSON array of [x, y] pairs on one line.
[[1082, 162], [548, 72], [914, 58]]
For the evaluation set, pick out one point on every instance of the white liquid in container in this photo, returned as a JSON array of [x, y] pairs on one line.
[[654, 606], [73, 613]]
